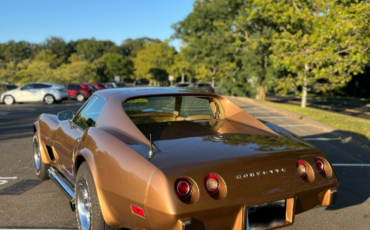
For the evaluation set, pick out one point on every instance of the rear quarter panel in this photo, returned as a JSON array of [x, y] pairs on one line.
[[46, 128], [121, 177]]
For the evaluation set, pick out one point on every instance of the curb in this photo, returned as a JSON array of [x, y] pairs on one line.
[[353, 138]]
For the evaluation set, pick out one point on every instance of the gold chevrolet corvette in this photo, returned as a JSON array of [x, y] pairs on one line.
[[178, 159]]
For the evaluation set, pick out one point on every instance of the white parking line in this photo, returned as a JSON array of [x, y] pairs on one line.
[[293, 125], [322, 139], [269, 117], [3, 180], [352, 165]]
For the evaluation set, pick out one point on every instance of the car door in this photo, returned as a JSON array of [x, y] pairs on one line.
[[40, 91], [26, 93], [70, 131]]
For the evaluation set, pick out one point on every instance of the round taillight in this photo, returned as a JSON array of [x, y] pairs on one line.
[[320, 165], [301, 169], [183, 188], [212, 184]]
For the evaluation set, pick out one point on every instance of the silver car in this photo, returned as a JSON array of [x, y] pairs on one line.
[[37, 91]]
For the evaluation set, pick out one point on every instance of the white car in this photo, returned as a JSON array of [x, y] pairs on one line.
[[37, 91]]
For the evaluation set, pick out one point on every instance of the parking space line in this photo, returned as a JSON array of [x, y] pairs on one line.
[[269, 117], [322, 139], [352, 165], [293, 125]]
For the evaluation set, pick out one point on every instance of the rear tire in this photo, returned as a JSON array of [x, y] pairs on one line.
[[49, 99], [80, 97], [9, 100], [41, 169]]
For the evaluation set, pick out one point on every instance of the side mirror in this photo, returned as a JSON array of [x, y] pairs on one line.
[[65, 115]]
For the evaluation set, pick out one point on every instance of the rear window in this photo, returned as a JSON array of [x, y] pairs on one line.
[[147, 110]]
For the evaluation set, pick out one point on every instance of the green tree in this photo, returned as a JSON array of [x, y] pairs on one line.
[[180, 66], [323, 40], [154, 61], [92, 49], [131, 46], [206, 33], [58, 47], [112, 64]]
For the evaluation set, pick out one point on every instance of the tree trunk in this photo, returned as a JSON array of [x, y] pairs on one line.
[[262, 93], [213, 81], [182, 78], [304, 87]]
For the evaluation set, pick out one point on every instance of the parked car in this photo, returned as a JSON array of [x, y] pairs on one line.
[[79, 91], [182, 84], [202, 86], [169, 158], [98, 85], [37, 91]]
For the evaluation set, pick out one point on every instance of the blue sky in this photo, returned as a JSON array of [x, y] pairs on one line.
[[35, 20]]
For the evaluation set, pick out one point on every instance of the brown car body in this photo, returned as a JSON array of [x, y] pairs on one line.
[[117, 154]]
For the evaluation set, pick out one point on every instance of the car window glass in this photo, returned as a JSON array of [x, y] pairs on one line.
[[150, 105], [28, 86], [42, 86], [88, 116], [78, 87], [195, 106]]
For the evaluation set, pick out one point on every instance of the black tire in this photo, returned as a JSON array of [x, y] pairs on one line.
[[41, 169], [96, 217]]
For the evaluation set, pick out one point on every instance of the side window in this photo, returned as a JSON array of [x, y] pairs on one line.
[[88, 116], [78, 87], [42, 86], [28, 86]]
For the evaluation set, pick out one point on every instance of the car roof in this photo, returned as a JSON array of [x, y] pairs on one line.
[[146, 91]]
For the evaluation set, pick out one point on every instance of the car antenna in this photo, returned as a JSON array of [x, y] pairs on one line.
[[151, 154]]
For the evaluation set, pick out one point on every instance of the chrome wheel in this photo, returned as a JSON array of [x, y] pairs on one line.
[[83, 204], [8, 100], [80, 97], [36, 154], [49, 99]]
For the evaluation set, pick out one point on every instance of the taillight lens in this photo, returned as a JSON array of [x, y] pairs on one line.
[[301, 169], [212, 184], [183, 188], [320, 166]]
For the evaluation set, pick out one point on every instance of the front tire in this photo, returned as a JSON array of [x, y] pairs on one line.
[[41, 169], [9, 100], [49, 99], [88, 212]]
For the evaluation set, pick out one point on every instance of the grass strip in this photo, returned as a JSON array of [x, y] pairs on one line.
[[340, 121]]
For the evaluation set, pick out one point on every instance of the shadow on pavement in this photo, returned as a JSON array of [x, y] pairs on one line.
[[354, 188]]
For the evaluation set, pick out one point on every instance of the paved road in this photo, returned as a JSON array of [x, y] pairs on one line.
[[44, 206], [356, 110]]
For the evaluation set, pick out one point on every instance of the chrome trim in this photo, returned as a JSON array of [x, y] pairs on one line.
[[59, 181]]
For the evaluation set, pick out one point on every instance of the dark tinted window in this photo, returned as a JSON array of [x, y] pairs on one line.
[[28, 86], [42, 86], [70, 86], [78, 87], [90, 113]]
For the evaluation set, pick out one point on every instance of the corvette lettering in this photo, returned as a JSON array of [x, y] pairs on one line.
[[259, 173]]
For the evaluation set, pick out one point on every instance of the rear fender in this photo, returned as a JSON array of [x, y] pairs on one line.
[[121, 176]]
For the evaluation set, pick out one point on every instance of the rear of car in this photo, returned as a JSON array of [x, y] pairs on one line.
[[79, 91], [217, 173]]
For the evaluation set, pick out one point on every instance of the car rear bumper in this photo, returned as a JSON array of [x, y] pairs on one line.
[[61, 96], [234, 217]]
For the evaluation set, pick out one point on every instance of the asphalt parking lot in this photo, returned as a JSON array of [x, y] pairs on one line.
[[45, 206]]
